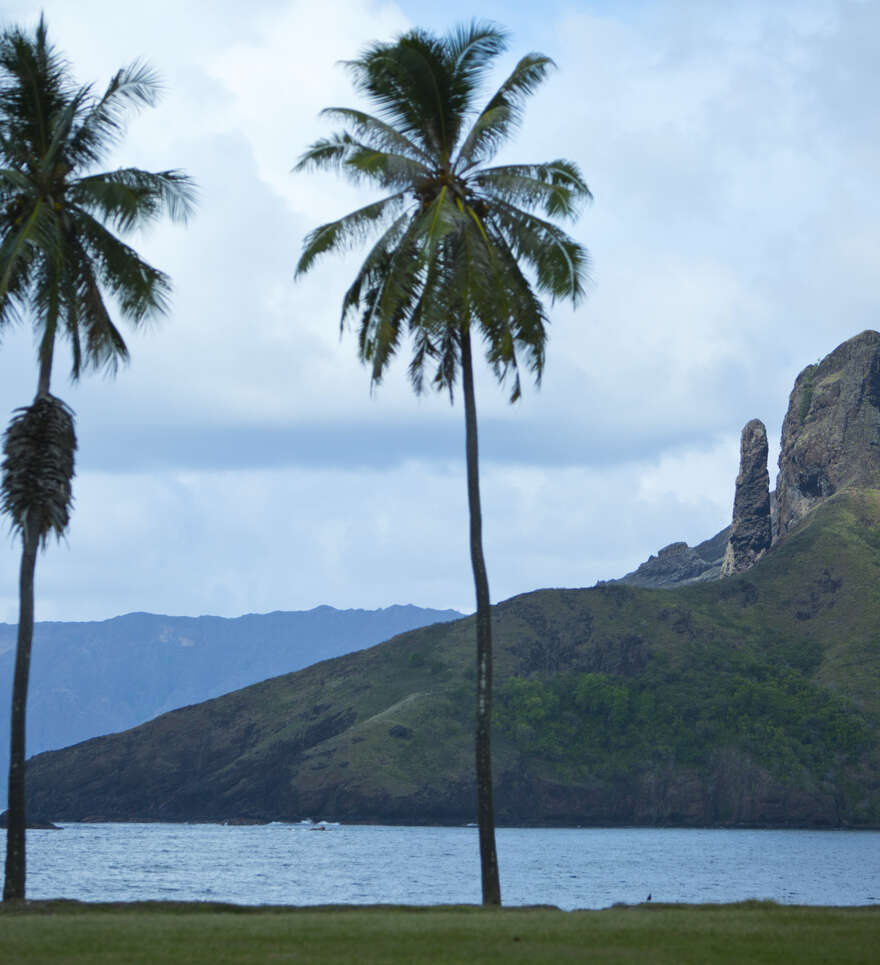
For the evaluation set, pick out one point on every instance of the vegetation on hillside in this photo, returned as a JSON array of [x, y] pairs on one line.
[[752, 700], [602, 725]]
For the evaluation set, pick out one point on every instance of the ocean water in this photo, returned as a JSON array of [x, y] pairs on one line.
[[306, 864]]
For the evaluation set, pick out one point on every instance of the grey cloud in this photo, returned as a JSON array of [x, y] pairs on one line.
[[351, 446], [732, 153]]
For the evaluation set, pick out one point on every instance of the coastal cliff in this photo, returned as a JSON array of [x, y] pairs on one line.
[[830, 442], [831, 432]]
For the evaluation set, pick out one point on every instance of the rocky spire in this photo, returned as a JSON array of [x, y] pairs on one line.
[[751, 532], [831, 433]]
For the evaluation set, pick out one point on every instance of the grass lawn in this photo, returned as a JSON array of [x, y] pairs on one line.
[[191, 934]]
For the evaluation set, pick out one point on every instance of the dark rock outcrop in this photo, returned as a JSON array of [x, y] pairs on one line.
[[830, 442], [751, 532], [674, 563], [831, 432], [34, 824], [679, 563]]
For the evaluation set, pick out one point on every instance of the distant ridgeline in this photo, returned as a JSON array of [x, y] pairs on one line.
[[89, 679], [747, 693]]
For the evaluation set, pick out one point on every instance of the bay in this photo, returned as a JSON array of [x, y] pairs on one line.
[[309, 864]]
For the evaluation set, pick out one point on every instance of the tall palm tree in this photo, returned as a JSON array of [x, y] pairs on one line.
[[60, 259], [455, 235]]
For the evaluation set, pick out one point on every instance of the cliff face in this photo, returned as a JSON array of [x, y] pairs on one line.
[[751, 530], [830, 442], [678, 564], [831, 432]]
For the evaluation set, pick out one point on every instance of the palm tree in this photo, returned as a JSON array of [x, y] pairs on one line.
[[454, 236], [60, 259]]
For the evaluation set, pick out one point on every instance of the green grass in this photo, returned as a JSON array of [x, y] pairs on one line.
[[130, 934]]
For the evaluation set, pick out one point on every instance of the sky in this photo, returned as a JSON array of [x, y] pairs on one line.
[[241, 464]]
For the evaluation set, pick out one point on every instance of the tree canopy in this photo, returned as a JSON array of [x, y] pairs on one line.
[[455, 232], [61, 258]]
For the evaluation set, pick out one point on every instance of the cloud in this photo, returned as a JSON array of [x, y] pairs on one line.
[[241, 463], [252, 540]]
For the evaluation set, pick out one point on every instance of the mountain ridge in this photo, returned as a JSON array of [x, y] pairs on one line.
[[729, 703], [96, 677]]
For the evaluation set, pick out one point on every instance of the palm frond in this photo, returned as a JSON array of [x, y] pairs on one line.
[[504, 111], [57, 155], [409, 81], [524, 329], [361, 162], [448, 361], [39, 448], [32, 233], [347, 231], [429, 324], [376, 133], [422, 333], [14, 299], [383, 168], [130, 197], [386, 289], [102, 121], [463, 264], [561, 264], [373, 265], [442, 217], [45, 303], [13, 183], [327, 153], [557, 187], [98, 345], [68, 312], [495, 300], [140, 290], [469, 49], [34, 87]]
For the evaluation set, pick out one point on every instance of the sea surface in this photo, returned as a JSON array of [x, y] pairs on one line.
[[309, 864]]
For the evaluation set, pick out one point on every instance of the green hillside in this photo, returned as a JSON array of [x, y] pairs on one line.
[[94, 678], [753, 700]]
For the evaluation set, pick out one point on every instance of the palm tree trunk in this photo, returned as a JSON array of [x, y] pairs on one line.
[[485, 810], [16, 816], [13, 888], [46, 353]]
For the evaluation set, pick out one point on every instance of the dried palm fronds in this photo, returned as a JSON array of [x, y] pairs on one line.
[[38, 468]]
